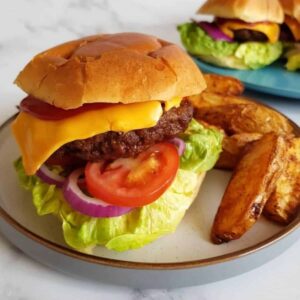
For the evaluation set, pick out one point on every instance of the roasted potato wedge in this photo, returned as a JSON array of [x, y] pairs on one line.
[[209, 99], [244, 117], [284, 203], [224, 85], [249, 188], [238, 114], [233, 148]]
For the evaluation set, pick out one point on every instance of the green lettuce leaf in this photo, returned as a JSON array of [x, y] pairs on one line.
[[47, 198], [197, 42], [142, 225], [133, 230], [248, 55], [203, 146], [257, 55]]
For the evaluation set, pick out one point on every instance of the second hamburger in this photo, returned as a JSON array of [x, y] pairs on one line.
[[242, 35]]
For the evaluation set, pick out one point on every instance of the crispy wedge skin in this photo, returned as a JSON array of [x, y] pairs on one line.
[[224, 85], [284, 203], [244, 117], [233, 148], [249, 188]]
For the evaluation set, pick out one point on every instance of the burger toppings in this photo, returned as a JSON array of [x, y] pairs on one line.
[[129, 182], [237, 55], [45, 111], [179, 144], [237, 30], [120, 185], [214, 31], [245, 35], [259, 31], [87, 205], [123, 168], [50, 177], [134, 181], [112, 145], [41, 138]]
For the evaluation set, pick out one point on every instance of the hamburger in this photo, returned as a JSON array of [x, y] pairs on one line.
[[243, 34], [290, 33], [108, 141]]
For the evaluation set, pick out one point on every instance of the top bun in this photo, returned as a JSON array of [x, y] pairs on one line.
[[111, 68], [291, 8], [247, 10]]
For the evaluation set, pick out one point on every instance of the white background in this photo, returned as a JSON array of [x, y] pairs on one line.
[[30, 26]]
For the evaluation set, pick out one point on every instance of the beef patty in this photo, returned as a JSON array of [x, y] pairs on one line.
[[113, 145], [246, 35]]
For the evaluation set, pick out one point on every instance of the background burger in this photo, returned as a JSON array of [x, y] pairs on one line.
[[290, 33], [242, 35], [107, 138]]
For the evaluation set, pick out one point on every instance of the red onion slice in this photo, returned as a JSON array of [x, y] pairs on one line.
[[179, 143], [214, 31], [87, 205], [50, 177]]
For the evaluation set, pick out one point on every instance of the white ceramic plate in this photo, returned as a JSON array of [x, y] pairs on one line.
[[186, 257]]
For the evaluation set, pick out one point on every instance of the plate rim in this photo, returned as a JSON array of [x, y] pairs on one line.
[[98, 260]]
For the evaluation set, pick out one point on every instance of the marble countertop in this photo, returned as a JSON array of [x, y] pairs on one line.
[[30, 26]]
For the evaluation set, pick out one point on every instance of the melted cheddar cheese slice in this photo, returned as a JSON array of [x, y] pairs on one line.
[[38, 138], [271, 30], [175, 102]]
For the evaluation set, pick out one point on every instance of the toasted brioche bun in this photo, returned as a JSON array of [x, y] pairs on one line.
[[111, 68], [291, 8], [246, 10]]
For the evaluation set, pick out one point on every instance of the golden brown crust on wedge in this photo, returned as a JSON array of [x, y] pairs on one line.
[[233, 148], [238, 115], [249, 188], [284, 203], [111, 68], [223, 85]]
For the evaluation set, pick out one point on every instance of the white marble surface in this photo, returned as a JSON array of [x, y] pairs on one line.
[[30, 26]]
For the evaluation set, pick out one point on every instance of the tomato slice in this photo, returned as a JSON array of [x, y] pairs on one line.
[[136, 181], [45, 111]]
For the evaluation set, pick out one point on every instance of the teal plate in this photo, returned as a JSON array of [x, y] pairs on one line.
[[273, 79]]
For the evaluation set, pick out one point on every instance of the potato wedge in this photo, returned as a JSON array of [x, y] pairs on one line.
[[209, 99], [233, 148], [249, 188], [244, 117], [224, 85], [238, 114], [284, 203]]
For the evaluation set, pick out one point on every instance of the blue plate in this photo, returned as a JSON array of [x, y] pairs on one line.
[[273, 79]]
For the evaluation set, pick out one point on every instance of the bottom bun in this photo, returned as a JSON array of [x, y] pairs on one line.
[[231, 62]]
